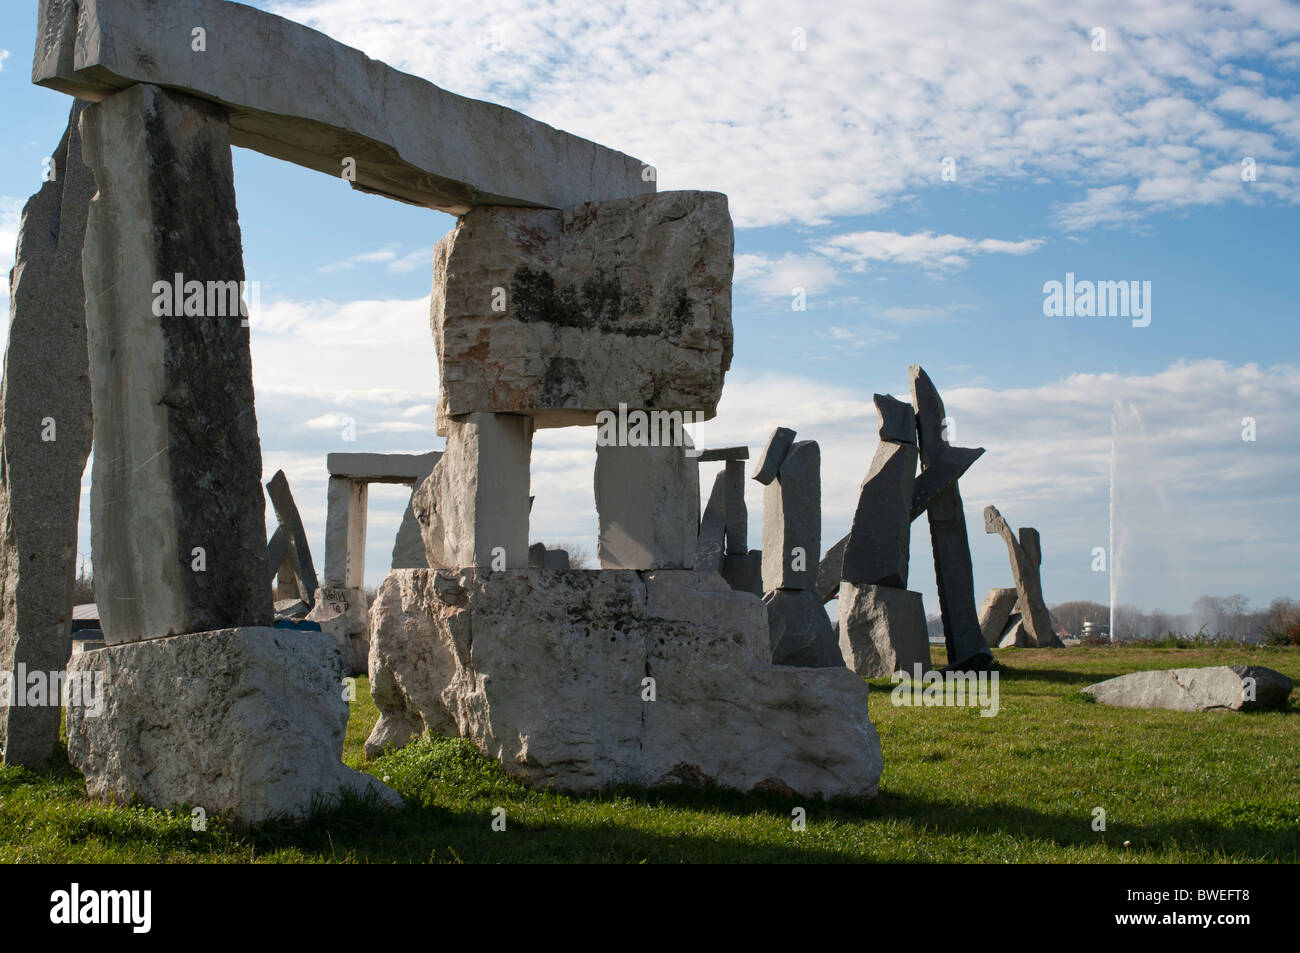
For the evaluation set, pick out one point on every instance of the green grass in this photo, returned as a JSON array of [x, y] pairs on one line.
[[1021, 786]]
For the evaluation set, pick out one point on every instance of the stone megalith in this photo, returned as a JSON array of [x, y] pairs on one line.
[[45, 430], [298, 549], [877, 551], [1025, 570], [178, 529], [951, 545]]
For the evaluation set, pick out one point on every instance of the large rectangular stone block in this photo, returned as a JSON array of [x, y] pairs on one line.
[[648, 507], [345, 533], [45, 430], [297, 94], [561, 315], [178, 527], [792, 520]]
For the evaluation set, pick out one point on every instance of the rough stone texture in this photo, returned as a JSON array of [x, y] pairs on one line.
[[713, 527], [952, 566], [382, 467], [1218, 688], [647, 506], [286, 515], [1024, 569], [625, 302], [544, 671], [737, 512], [744, 572], [257, 728], [1014, 634], [46, 384], [179, 462], [301, 96], [897, 419], [995, 614], [882, 630], [829, 571], [774, 453], [792, 520], [539, 557], [408, 545], [344, 614], [800, 629], [473, 507], [345, 533], [877, 552], [942, 474], [723, 453]]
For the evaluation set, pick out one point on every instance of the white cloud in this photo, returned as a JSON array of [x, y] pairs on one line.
[[4, 55], [779, 277], [930, 251], [860, 119]]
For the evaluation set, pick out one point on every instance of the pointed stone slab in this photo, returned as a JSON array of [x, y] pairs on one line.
[[897, 419], [995, 613], [792, 520], [1024, 569], [952, 564], [879, 541], [44, 442], [299, 95], [713, 524], [178, 530], [945, 472], [286, 514], [773, 455]]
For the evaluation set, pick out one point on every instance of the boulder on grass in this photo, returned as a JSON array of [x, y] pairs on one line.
[[1217, 688]]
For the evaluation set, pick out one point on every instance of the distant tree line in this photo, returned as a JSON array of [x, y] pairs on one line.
[[1222, 617]]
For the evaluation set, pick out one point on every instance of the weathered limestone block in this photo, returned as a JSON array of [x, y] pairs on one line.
[[344, 614], [408, 546], [830, 569], [744, 571], [954, 578], [792, 520], [774, 453], [1217, 688], [713, 528], [256, 727], [45, 428], [345, 533], [624, 302], [473, 507], [995, 614], [539, 557], [286, 515], [897, 419], [800, 630], [882, 630], [648, 507], [382, 467], [877, 552], [296, 94], [555, 686], [1025, 571], [177, 515]]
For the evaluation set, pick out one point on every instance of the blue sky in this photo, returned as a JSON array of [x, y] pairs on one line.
[[1115, 164]]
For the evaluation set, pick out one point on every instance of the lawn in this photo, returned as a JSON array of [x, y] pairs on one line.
[[1019, 787]]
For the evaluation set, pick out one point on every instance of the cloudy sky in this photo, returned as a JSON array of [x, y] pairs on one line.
[[920, 175]]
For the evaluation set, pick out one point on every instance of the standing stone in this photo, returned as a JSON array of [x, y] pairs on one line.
[[177, 516], [737, 512], [45, 428], [897, 419], [773, 455], [877, 551], [1024, 569], [967, 649], [882, 630], [286, 514], [713, 526], [648, 506], [744, 571], [996, 613], [792, 520], [800, 630], [408, 547], [473, 507], [830, 569], [345, 533]]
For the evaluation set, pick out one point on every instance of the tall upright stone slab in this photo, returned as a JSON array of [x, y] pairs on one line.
[[647, 506], [177, 515], [45, 429], [345, 533], [792, 519], [952, 563], [877, 552], [286, 515]]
